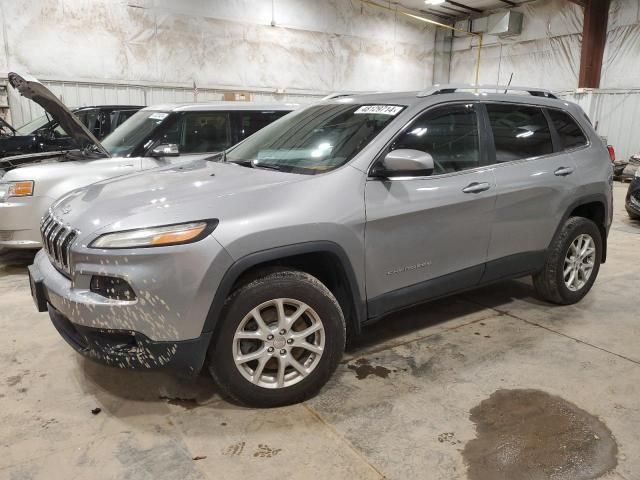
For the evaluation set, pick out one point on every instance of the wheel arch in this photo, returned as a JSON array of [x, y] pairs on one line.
[[324, 259], [594, 208]]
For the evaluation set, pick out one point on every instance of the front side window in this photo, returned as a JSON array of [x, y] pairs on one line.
[[118, 117], [449, 134], [128, 136], [34, 125], [316, 139], [93, 120], [571, 135], [519, 132]]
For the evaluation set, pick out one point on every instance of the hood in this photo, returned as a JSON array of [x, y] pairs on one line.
[[4, 125], [190, 191], [35, 91]]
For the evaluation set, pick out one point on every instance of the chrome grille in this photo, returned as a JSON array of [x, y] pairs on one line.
[[57, 240]]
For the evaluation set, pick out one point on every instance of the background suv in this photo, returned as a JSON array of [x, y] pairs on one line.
[[259, 264]]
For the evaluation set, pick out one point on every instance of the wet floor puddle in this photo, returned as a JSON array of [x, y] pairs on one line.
[[363, 369], [531, 435]]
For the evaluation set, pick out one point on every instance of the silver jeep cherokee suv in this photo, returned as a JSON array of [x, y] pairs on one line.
[[260, 261]]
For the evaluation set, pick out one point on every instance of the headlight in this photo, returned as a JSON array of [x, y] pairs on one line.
[[156, 236], [22, 188]]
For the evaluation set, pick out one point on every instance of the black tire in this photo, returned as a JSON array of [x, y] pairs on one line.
[[633, 216], [549, 283], [290, 284]]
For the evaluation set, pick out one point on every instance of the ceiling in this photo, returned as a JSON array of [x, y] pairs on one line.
[[453, 9]]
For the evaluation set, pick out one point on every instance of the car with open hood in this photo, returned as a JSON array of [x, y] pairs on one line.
[[44, 134], [152, 137]]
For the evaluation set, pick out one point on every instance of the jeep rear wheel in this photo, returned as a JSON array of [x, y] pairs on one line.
[[281, 338], [572, 264]]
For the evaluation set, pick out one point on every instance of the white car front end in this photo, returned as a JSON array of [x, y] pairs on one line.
[[19, 205]]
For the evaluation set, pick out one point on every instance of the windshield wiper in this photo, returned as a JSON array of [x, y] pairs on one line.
[[222, 156], [244, 163], [269, 166]]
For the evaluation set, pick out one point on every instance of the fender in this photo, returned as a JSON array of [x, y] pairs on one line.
[[596, 197], [245, 263]]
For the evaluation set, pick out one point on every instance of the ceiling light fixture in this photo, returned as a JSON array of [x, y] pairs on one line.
[[434, 2]]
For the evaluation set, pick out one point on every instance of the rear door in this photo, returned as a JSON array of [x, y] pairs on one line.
[[536, 181], [427, 236]]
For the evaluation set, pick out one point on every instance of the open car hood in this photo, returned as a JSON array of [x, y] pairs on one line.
[[5, 126], [35, 91]]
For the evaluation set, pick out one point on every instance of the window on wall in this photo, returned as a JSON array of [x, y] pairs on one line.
[[449, 135], [571, 135], [519, 131]]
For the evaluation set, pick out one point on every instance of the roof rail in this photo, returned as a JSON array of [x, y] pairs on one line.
[[338, 95], [440, 89]]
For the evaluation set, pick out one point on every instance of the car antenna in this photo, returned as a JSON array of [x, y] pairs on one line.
[[509, 84]]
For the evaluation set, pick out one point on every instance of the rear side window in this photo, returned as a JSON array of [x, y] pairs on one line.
[[251, 122], [571, 135], [200, 132], [449, 134], [519, 132]]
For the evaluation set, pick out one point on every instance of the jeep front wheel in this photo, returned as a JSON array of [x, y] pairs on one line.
[[282, 337]]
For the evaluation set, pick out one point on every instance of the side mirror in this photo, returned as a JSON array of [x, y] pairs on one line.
[[405, 163], [165, 150], [46, 134]]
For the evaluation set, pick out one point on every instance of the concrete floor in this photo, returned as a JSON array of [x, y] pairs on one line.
[[407, 418]]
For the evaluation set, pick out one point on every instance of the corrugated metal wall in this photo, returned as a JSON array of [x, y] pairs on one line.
[[615, 114], [78, 94]]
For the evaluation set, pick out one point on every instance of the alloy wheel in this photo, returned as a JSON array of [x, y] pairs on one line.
[[579, 262], [278, 343]]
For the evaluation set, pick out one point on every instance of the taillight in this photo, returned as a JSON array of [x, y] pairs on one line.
[[612, 152]]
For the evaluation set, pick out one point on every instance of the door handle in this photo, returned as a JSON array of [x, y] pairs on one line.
[[476, 187], [128, 165], [563, 171]]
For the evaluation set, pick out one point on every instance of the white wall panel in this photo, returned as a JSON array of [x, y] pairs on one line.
[[547, 53], [314, 48]]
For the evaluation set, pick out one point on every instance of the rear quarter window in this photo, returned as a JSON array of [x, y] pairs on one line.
[[570, 134]]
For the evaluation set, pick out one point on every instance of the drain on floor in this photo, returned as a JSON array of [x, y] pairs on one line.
[[531, 435]]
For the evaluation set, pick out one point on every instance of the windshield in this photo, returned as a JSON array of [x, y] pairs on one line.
[[124, 139], [316, 139], [33, 126]]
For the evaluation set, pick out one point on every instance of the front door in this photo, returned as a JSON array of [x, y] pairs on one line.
[[428, 236]]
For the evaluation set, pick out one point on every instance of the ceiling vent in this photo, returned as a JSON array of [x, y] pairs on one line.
[[505, 24]]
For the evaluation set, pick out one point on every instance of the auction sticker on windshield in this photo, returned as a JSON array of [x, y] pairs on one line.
[[380, 109], [158, 116]]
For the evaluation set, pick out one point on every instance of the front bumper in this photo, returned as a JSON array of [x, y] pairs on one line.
[[162, 327], [133, 350], [20, 221]]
